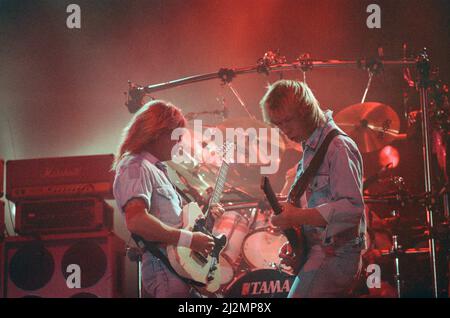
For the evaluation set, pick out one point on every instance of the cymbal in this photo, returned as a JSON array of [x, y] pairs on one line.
[[245, 175], [371, 125]]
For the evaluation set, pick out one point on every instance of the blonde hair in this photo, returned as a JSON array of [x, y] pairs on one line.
[[287, 93], [147, 125]]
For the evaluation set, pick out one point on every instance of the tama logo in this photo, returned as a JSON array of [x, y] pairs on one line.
[[61, 173], [265, 287]]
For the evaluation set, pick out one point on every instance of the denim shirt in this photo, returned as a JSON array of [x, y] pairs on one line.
[[142, 176], [336, 190]]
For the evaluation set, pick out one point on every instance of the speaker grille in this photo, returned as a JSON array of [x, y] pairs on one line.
[[91, 259], [32, 266]]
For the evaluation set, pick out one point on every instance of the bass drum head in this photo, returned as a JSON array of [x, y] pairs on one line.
[[226, 271], [262, 283], [262, 247]]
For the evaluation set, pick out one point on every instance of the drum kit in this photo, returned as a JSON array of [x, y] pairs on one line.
[[250, 265], [251, 259]]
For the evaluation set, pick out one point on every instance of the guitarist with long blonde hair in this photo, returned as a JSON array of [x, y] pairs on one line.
[[149, 201]]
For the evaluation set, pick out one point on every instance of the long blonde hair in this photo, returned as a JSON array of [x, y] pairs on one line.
[[152, 120], [286, 93]]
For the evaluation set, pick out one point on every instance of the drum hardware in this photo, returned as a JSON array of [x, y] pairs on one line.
[[240, 205], [271, 62], [195, 115]]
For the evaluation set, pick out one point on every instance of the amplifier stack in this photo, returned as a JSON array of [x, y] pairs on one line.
[[64, 225]]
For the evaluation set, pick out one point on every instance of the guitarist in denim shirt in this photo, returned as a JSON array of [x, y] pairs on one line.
[[147, 198], [331, 213]]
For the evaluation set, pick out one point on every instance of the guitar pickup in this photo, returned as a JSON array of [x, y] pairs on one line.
[[199, 258]]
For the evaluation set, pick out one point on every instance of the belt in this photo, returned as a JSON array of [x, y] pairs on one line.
[[346, 236]]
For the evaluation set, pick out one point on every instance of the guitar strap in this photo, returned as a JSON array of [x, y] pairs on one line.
[[155, 251], [299, 187]]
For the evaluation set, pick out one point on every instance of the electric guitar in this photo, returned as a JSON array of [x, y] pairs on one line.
[[295, 238], [190, 264]]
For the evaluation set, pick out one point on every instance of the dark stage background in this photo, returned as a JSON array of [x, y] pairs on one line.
[[62, 90]]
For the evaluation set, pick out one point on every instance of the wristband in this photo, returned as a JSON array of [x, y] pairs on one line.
[[185, 238]]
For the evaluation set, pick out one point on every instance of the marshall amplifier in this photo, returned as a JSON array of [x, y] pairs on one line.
[[59, 177], [63, 216]]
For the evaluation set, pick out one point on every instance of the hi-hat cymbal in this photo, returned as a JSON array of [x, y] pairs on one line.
[[371, 125]]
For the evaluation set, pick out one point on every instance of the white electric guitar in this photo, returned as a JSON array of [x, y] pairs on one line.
[[193, 265]]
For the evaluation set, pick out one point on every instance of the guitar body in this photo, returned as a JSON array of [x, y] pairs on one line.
[[192, 265]]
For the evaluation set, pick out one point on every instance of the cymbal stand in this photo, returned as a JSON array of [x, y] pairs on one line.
[[397, 251], [367, 87], [423, 72], [240, 100]]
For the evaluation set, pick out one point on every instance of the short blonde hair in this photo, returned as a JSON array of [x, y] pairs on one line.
[[289, 93], [152, 120]]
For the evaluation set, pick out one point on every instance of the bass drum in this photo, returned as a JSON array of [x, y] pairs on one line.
[[235, 226], [261, 248], [262, 283]]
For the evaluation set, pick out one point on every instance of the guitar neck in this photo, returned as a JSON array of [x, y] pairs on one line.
[[217, 193], [220, 183]]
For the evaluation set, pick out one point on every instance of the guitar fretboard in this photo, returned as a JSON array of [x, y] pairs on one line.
[[220, 183]]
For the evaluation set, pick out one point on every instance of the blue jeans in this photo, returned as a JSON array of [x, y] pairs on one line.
[[159, 282], [328, 272]]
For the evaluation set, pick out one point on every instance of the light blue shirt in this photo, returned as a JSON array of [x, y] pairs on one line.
[[144, 176], [138, 176], [336, 190]]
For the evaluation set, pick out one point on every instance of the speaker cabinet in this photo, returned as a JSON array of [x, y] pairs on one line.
[[2, 257], [87, 265], [2, 220], [2, 176]]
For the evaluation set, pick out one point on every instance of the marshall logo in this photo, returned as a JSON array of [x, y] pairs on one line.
[[265, 287], [61, 173]]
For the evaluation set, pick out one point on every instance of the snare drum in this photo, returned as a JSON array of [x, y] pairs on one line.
[[235, 226], [261, 248], [263, 283]]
